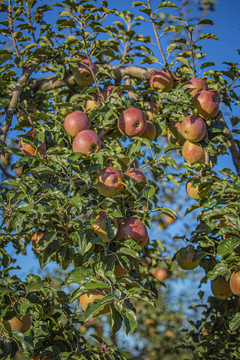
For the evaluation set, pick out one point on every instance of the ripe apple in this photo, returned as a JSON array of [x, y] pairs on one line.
[[221, 288], [206, 104], [132, 122], [193, 192], [161, 80], [185, 258], [197, 85], [5, 159], [90, 297], [152, 106], [19, 171], [82, 73], [193, 128], [160, 273], [133, 227], [107, 91], [100, 226], [109, 182], [86, 141], [18, 324], [150, 131], [169, 220], [91, 104], [36, 237], [137, 175], [179, 139], [29, 149], [235, 282], [76, 122], [193, 152], [119, 271]]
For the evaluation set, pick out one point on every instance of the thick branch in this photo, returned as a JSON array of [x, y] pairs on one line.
[[53, 82], [232, 147], [15, 96]]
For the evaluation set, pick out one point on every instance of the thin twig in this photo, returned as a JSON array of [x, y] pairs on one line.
[[192, 53], [11, 27], [6, 173], [29, 16]]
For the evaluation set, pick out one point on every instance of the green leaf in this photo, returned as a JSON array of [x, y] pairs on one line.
[[206, 22], [34, 283], [138, 3], [219, 269], [208, 36], [78, 274], [235, 322], [130, 320], [166, 4], [226, 246], [116, 319]]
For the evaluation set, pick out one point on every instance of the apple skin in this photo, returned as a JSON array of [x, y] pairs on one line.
[[193, 192], [76, 122], [193, 153], [18, 324], [133, 227], [193, 128], [82, 73], [152, 106], [90, 297], [160, 273], [107, 91], [29, 149], [109, 182], [132, 122], [180, 139], [206, 104], [18, 171], [235, 282], [100, 225], [36, 237], [221, 288], [169, 220], [197, 84], [86, 141], [91, 104], [161, 80], [185, 258], [120, 271], [5, 159], [150, 131], [137, 176]]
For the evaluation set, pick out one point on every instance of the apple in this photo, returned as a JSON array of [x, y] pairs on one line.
[[82, 73], [193, 192], [100, 226], [120, 271], [235, 282], [169, 220], [206, 104], [185, 258], [150, 131], [107, 91], [161, 80], [19, 171], [89, 297], [160, 273], [76, 122], [133, 227], [136, 175], [193, 128], [152, 106], [132, 122], [192, 152], [86, 141], [91, 104], [221, 288], [36, 237], [18, 324], [5, 159], [29, 149], [179, 139], [109, 182], [197, 85]]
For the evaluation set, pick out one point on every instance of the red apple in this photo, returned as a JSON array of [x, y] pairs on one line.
[[76, 122], [185, 258], [109, 182], [221, 288], [29, 149], [179, 140], [193, 128], [107, 91], [100, 225], [152, 106], [150, 131], [82, 72], [133, 227], [86, 141], [132, 122], [235, 282], [197, 85], [206, 104], [161, 80], [137, 175], [160, 273], [192, 153]]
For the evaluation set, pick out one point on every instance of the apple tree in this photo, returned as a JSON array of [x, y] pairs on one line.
[[104, 125]]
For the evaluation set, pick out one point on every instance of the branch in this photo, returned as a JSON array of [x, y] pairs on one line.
[[15, 96], [6, 173], [11, 27], [53, 82], [232, 146]]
